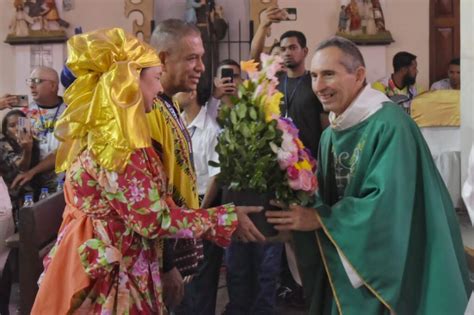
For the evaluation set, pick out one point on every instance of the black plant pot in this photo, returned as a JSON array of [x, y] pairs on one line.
[[251, 198]]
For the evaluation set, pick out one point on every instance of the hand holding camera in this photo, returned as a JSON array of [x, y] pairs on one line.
[[224, 85], [9, 101], [275, 15]]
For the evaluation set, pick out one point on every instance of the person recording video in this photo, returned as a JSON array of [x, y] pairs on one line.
[[228, 77]]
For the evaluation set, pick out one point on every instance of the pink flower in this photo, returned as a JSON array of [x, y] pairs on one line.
[[271, 65], [305, 181], [286, 125], [292, 172], [286, 159], [288, 144]]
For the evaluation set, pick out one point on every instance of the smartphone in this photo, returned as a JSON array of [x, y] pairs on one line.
[[21, 127], [21, 122], [22, 101], [290, 14], [227, 73]]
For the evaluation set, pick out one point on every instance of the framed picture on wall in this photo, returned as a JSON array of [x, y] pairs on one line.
[[36, 22], [363, 22]]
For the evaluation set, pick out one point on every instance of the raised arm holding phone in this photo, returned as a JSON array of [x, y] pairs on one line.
[[9, 101], [227, 79]]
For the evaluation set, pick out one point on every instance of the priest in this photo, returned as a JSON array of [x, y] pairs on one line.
[[383, 237]]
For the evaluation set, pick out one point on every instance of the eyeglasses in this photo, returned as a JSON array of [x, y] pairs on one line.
[[36, 81]]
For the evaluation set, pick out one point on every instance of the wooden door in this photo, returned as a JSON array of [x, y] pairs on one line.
[[445, 33]]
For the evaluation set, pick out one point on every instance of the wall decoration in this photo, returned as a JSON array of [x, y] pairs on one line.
[[146, 9], [36, 22], [190, 12], [41, 56], [68, 5], [362, 21]]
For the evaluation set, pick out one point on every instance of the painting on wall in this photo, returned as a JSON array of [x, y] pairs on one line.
[[36, 22], [363, 22]]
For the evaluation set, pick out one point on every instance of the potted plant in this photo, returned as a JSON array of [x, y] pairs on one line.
[[260, 155]]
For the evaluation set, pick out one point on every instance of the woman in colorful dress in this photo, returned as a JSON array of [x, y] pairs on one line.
[[108, 255]]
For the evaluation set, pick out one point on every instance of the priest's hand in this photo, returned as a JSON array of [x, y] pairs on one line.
[[296, 218], [246, 230]]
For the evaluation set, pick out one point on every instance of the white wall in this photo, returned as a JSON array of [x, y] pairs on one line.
[[467, 83], [234, 10], [7, 57], [407, 20], [90, 14]]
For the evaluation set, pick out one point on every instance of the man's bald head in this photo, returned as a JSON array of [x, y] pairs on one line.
[[47, 73], [44, 85]]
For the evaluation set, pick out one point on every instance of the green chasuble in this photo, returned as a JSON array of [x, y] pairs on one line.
[[386, 210]]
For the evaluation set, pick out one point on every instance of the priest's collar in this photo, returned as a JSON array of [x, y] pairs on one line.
[[364, 105]]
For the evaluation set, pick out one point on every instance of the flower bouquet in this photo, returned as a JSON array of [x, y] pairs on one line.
[[259, 151]]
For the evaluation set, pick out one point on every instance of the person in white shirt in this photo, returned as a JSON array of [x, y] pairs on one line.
[[453, 81], [203, 130]]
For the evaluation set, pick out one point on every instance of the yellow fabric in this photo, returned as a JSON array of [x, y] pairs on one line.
[[175, 153], [436, 108], [105, 111], [379, 86]]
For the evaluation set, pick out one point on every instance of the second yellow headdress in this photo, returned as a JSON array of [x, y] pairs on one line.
[[105, 111]]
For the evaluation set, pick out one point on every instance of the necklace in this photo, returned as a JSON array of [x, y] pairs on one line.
[[289, 98], [50, 128]]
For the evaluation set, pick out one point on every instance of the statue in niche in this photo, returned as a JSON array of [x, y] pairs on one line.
[[362, 21], [36, 22], [218, 22], [378, 15], [50, 16], [20, 24], [355, 21], [343, 18], [190, 13]]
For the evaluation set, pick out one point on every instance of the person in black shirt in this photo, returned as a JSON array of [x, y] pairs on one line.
[[300, 104], [299, 101]]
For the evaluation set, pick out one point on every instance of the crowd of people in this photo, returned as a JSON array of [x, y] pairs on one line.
[[134, 135]]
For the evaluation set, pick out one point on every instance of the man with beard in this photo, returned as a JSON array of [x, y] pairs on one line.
[[400, 87], [299, 102]]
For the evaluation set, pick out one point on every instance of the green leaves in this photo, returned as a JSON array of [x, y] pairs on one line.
[[253, 113], [245, 156]]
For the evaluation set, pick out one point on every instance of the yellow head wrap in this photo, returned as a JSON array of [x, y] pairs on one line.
[[105, 112]]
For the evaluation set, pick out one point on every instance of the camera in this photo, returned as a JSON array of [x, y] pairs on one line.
[[227, 73], [291, 14], [22, 101]]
